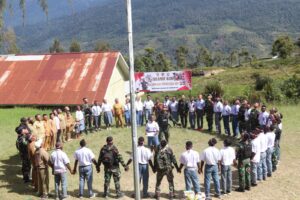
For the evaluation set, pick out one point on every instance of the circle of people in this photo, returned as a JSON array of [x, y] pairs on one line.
[[256, 155]]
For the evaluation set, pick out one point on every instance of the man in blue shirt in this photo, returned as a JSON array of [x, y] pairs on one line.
[[200, 104]]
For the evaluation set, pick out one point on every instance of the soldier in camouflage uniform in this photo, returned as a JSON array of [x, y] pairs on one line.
[[110, 158], [253, 118], [243, 164], [164, 160], [209, 111], [23, 135], [163, 123]]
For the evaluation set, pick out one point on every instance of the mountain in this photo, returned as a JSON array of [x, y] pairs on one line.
[[220, 25], [34, 13]]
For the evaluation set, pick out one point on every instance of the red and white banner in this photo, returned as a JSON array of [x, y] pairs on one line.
[[163, 81]]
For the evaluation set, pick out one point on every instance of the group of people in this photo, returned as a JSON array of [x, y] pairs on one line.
[[258, 150]]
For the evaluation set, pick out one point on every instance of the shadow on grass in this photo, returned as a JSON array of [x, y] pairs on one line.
[[11, 176]]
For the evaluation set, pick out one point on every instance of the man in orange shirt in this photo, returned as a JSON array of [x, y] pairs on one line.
[[39, 127], [118, 113], [53, 130], [47, 141], [31, 151]]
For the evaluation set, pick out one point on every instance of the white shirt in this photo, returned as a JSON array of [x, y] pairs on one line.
[[166, 103], [143, 155], [192, 106], [226, 110], [263, 142], [173, 106], [256, 149], [190, 158], [263, 118], [152, 128], [200, 104], [59, 159], [211, 155], [57, 122], [96, 110], [139, 106], [127, 107], [247, 114], [84, 156], [270, 139], [106, 107], [227, 155], [235, 109], [148, 104], [79, 115], [218, 107]]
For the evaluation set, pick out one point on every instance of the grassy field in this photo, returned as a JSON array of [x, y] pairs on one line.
[[285, 184]]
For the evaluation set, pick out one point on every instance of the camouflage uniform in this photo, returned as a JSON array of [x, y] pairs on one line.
[[22, 142], [243, 167], [254, 119], [163, 123], [209, 111], [112, 169], [163, 163]]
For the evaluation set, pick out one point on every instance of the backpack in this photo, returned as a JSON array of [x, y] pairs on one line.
[[247, 151], [108, 158]]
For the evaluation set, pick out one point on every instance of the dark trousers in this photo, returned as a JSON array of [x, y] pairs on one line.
[[235, 125], [226, 124], [88, 122], [183, 119], [210, 119], [58, 135], [200, 115]]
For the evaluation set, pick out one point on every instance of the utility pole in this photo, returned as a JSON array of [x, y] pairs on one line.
[[132, 100]]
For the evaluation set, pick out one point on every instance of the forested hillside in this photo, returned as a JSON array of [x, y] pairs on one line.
[[220, 25]]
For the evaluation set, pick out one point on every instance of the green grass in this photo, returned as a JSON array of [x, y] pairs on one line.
[[284, 184]]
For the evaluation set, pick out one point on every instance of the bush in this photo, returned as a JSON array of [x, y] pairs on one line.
[[214, 88], [291, 88], [272, 93], [261, 81]]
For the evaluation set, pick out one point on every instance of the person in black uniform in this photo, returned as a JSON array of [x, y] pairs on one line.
[[209, 111], [163, 123], [183, 110]]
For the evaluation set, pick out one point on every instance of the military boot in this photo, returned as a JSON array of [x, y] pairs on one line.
[[157, 195], [105, 194]]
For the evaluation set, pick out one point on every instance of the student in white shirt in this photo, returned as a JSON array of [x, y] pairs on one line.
[[139, 111], [148, 107], [59, 162], [270, 135], [191, 161], [127, 112], [173, 108], [84, 157], [218, 108], [108, 116], [262, 166], [227, 159], [192, 112], [226, 117], [144, 156], [152, 130], [96, 113], [211, 157], [80, 125], [256, 158]]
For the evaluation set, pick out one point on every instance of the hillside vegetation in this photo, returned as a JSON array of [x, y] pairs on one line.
[[219, 25]]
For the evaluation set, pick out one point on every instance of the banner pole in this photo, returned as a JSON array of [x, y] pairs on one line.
[[132, 102]]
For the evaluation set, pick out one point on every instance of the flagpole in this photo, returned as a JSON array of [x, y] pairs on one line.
[[132, 100]]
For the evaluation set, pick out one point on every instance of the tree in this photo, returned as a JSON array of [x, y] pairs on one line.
[[10, 42], [204, 57], [102, 46], [75, 46], [139, 65], [162, 64], [283, 47], [149, 59], [56, 47], [181, 56], [232, 58]]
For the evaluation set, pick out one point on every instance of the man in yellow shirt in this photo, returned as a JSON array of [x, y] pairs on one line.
[[47, 141], [70, 123], [39, 126], [118, 113], [62, 122]]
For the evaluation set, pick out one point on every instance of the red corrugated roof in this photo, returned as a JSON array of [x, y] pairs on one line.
[[63, 78]]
